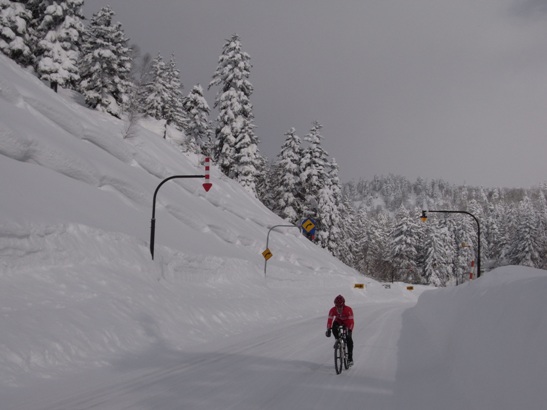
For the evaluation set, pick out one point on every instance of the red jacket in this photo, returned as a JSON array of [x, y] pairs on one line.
[[345, 318]]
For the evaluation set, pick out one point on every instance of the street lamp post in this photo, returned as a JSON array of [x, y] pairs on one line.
[[153, 221], [268, 241], [206, 185], [424, 218]]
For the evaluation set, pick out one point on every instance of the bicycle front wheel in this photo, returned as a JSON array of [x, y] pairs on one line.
[[338, 358]]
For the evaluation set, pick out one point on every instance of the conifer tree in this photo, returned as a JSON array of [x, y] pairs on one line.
[[350, 234], [155, 93], [247, 160], [330, 202], [438, 255], [197, 127], [58, 48], [378, 260], [37, 10], [542, 228], [105, 65], [286, 198], [464, 242], [235, 146], [263, 179], [362, 242], [15, 38], [492, 232], [313, 175], [510, 217], [525, 244], [402, 247], [174, 111]]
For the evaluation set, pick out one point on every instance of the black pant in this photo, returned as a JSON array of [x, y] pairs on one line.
[[335, 331]]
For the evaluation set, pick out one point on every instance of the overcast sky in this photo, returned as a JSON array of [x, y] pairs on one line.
[[455, 90]]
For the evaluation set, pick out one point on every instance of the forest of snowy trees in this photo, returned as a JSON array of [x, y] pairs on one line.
[[392, 239], [373, 226]]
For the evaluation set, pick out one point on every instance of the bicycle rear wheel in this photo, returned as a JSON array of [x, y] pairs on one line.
[[345, 356], [338, 358]]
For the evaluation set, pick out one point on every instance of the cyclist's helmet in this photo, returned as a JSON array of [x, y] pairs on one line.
[[339, 301]]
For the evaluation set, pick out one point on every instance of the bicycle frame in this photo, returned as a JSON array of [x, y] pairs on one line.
[[341, 352]]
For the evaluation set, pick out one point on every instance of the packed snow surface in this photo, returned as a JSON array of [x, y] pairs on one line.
[[89, 320]]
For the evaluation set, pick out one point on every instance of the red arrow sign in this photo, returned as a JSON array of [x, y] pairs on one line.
[[207, 185]]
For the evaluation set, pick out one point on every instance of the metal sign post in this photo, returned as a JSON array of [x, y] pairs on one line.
[[267, 253], [207, 186]]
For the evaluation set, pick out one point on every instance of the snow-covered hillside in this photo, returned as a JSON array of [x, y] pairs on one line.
[[89, 320], [78, 279]]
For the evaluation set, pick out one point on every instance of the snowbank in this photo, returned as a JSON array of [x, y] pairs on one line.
[[479, 345]]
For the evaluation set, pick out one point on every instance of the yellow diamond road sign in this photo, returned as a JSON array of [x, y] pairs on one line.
[[308, 225], [267, 254]]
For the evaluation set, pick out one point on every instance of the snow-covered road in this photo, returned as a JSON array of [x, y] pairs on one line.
[[284, 367]]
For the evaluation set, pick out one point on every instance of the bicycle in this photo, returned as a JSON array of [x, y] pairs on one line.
[[341, 351]]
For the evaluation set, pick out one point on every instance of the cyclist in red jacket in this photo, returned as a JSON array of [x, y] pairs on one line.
[[341, 315]]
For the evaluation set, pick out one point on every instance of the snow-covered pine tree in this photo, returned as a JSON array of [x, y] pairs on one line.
[[174, 112], [403, 241], [235, 146], [37, 12], [263, 182], [225, 137], [525, 245], [377, 262], [463, 233], [286, 198], [542, 228], [313, 175], [439, 253], [105, 65], [351, 234], [14, 31], [361, 245], [58, 49], [247, 159], [325, 206], [198, 126], [491, 232], [508, 225], [330, 235], [349, 189], [155, 93]]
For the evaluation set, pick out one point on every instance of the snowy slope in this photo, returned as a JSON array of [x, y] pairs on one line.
[[88, 320], [74, 238]]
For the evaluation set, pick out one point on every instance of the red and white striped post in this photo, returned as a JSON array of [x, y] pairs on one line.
[[207, 185]]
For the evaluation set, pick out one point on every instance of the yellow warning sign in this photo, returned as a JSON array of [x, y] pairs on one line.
[[267, 254], [308, 225]]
